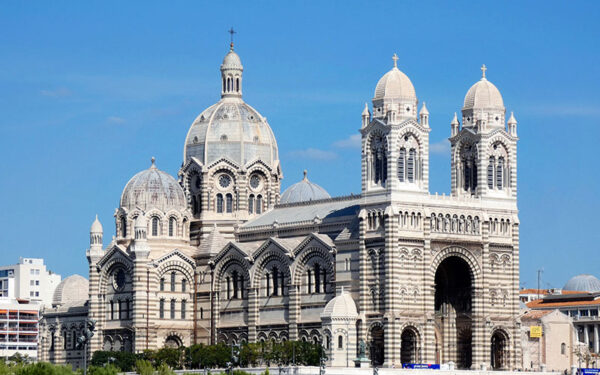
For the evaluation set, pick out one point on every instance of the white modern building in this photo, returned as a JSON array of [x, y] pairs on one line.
[[18, 327], [28, 280]]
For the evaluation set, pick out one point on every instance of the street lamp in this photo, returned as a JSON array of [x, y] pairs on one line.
[[84, 339]]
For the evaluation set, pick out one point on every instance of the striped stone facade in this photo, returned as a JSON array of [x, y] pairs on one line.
[[435, 279]]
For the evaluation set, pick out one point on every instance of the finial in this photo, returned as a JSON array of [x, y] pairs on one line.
[[305, 173], [483, 69], [395, 58], [231, 31], [152, 160], [455, 120], [366, 110]]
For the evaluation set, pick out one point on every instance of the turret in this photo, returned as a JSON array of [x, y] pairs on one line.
[[140, 242], [424, 116], [455, 125], [512, 125], [366, 116], [95, 250]]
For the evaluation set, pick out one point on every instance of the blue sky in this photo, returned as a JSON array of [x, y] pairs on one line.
[[92, 90]]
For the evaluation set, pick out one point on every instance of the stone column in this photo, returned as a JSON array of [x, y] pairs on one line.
[[392, 337], [586, 336], [294, 312], [596, 344], [253, 314]]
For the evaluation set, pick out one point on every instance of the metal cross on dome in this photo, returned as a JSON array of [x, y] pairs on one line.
[[483, 69], [231, 32], [395, 58]]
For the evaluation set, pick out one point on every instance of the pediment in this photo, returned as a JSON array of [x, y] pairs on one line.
[[223, 162], [175, 254], [114, 252]]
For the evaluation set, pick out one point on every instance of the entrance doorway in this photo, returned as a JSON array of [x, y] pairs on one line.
[[408, 346], [377, 354], [453, 305], [499, 350]]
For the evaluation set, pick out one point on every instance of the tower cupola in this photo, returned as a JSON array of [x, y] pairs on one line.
[[231, 75]]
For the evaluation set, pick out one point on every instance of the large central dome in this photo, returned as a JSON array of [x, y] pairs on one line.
[[231, 129]]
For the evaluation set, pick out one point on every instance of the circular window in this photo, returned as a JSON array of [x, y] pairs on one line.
[[406, 138], [497, 118], [468, 119], [223, 138], [224, 180], [254, 182], [407, 109], [119, 279]]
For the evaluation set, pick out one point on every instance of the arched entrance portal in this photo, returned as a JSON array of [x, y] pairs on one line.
[[453, 304], [173, 341], [377, 346], [499, 352], [408, 346]]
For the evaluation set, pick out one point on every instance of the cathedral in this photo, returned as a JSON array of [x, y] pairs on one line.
[[220, 254]]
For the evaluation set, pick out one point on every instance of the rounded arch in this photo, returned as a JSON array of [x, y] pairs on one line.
[[375, 338], [226, 264], [462, 253], [179, 267], [410, 344], [173, 340], [267, 258], [307, 259], [499, 348], [109, 268]]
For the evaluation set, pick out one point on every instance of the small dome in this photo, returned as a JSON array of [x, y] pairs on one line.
[[303, 191], [395, 85], [342, 306], [232, 61], [583, 283], [153, 188], [74, 288], [96, 226], [483, 95]]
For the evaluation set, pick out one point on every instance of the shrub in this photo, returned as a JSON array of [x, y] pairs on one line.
[[144, 367], [163, 369], [103, 370]]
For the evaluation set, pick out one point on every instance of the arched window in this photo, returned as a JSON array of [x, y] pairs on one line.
[[328, 342], [64, 339], [182, 309], [228, 84], [563, 348], [172, 226], [173, 309], [490, 171], [309, 279], [259, 204], [281, 283], [401, 164], [229, 200], [123, 226], [74, 339], [235, 284], [378, 160], [161, 308], [340, 342], [162, 284], [228, 280], [112, 310], [220, 203], [155, 222], [251, 203], [173, 281], [499, 173], [224, 84], [183, 285], [194, 206], [317, 278], [268, 288], [410, 165], [275, 280], [324, 281], [237, 84]]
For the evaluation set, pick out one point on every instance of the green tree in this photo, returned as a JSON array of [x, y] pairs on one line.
[[144, 367]]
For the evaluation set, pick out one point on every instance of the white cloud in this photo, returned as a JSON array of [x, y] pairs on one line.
[[57, 93], [115, 120], [353, 141], [442, 147], [313, 153]]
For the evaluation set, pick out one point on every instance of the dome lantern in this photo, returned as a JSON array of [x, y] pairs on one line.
[[483, 106]]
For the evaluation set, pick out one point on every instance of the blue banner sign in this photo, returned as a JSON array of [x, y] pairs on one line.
[[589, 371], [424, 366]]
